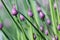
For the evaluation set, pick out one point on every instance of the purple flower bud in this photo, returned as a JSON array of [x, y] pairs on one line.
[[30, 13], [58, 27], [1, 6], [1, 25], [41, 28], [38, 9], [21, 17], [34, 36], [46, 32], [53, 38], [48, 22], [55, 6], [14, 11], [56, 37], [41, 14]]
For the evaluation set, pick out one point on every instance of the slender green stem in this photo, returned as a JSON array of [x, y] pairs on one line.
[[58, 17], [52, 16], [8, 34], [57, 12], [18, 35], [22, 28], [5, 34]]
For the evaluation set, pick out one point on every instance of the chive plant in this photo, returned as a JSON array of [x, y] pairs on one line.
[[31, 20]]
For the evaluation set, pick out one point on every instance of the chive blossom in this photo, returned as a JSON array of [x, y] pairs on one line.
[[14, 11], [1, 25], [21, 17]]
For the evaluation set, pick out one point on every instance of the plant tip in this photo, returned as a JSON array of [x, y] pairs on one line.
[[38, 9], [34, 36], [41, 28], [56, 37], [41, 15], [1, 25], [46, 32], [48, 21], [55, 6], [58, 27], [14, 11], [53, 38], [30, 13], [21, 17]]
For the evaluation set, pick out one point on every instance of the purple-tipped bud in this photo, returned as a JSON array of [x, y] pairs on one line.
[[34, 36], [1, 5], [55, 6], [48, 21], [41, 14], [21, 17], [1, 25], [56, 38], [30, 13], [58, 27], [14, 11], [38, 9], [46, 32], [41, 28], [53, 38]]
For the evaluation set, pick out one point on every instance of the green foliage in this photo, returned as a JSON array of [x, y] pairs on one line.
[[16, 29]]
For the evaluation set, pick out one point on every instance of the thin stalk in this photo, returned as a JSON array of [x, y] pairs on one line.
[[18, 35], [57, 12], [8, 34], [22, 28], [52, 16], [5, 34]]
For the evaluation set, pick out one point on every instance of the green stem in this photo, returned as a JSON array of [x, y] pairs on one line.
[[5, 34], [52, 16], [22, 28], [57, 12], [8, 34]]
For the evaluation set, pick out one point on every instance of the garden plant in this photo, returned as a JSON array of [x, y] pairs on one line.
[[29, 20]]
